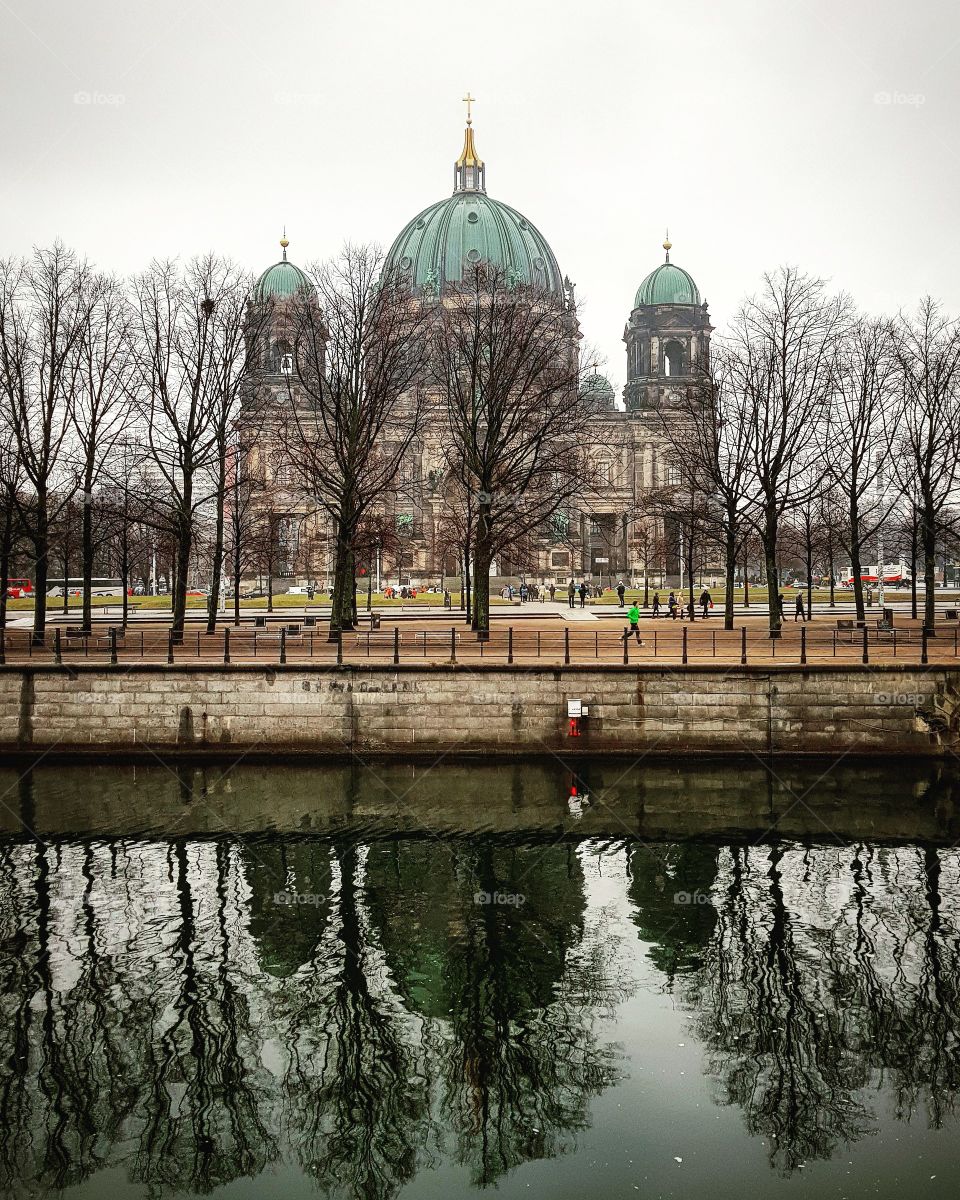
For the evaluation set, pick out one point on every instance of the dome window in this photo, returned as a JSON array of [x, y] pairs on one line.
[[472, 218], [473, 256], [406, 262]]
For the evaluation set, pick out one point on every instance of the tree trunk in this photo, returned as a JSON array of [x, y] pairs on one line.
[[692, 611], [855, 564], [730, 574], [125, 571], [65, 609], [6, 545], [213, 599], [344, 584], [809, 578], [770, 562], [746, 581], [914, 554], [928, 534], [181, 567], [467, 588], [833, 573], [86, 545], [482, 558], [41, 572], [237, 567]]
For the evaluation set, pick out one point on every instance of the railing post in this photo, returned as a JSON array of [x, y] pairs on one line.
[[339, 647], [283, 643], [57, 648], [510, 644], [226, 644], [113, 645], [803, 644], [866, 648], [396, 645], [453, 643], [923, 645], [743, 646], [169, 645], [626, 652], [566, 647], [684, 652]]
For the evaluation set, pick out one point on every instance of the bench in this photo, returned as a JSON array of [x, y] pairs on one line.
[[103, 639]]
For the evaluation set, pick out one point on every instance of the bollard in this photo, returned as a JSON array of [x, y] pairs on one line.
[[453, 642], [226, 644], [803, 644], [510, 644], [169, 645], [396, 645], [743, 646], [339, 647], [866, 651], [684, 654], [57, 648], [566, 647], [283, 643], [923, 645], [113, 645]]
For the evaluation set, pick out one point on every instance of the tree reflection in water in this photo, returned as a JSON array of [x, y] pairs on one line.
[[825, 971], [166, 1012]]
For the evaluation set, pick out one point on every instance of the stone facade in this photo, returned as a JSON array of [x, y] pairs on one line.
[[429, 710]]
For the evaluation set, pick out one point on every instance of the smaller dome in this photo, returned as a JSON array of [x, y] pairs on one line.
[[598, 390], [667, 284], [282, 280]]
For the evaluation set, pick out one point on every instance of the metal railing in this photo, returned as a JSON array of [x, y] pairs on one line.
[[672, 644]]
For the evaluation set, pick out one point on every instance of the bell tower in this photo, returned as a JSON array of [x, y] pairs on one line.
[[667, 337]]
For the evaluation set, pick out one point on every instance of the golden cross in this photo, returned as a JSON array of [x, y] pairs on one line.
[[468, 100]]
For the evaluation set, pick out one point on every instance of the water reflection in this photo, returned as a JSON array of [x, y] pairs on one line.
[[367, 999]]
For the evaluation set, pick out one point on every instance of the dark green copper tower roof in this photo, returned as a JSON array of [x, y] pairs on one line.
[[667, 284], [283, 279]]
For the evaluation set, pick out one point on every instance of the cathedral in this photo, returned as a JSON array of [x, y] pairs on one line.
[[615, 534]]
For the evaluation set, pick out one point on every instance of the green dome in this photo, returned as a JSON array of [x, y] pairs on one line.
[[667, 284], [469, 227], [282, 280], [598, 390]]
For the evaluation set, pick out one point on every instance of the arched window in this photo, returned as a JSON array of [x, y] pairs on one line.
[[673, 359], [282, 358]]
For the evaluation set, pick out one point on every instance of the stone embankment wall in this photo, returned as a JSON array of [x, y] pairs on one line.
[[883, 709]]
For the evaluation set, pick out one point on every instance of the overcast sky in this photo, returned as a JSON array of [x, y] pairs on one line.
[[824, 133]]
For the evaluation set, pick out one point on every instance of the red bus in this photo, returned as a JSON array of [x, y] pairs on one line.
[[19, 587]]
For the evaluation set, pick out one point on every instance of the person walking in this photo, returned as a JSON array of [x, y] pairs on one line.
[[633, 616], [523, 593], [656, 604], [799, 610], [621, 592], [571, 592], [583, 593], [706, 603], [780, 606], [672, 606], [553, 591]]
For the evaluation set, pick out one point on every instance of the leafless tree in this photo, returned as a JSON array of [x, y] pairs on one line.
[[43, 314], [864, 407], [780, 355], [504, 360], [926, 437], [354, 407], [190, 355]]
